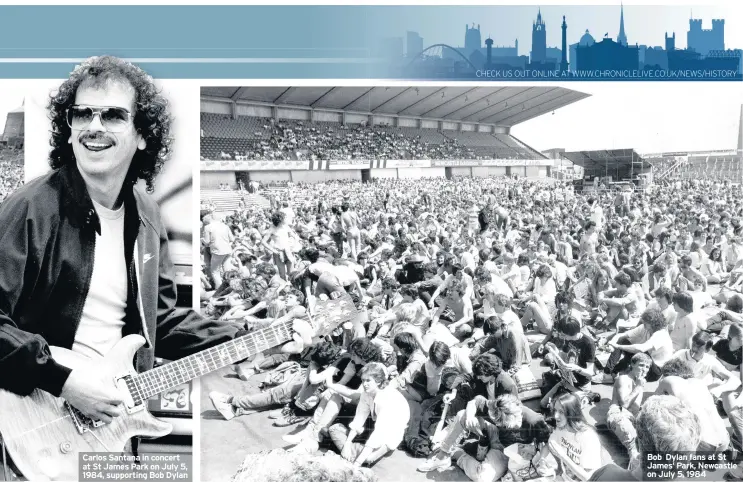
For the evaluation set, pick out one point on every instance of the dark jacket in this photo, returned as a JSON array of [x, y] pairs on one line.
[[48, 245]]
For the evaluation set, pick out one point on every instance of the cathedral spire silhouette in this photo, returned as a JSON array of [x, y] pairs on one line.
[[740, 133], [622, 38]]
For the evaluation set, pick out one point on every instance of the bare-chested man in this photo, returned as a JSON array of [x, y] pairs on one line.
[[626, 400], [350, 222]]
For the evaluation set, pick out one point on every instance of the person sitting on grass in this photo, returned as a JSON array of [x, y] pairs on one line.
[[504, 421], [390, 415]]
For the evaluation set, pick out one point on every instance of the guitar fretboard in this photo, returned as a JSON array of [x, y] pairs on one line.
[[328, 315], [170, 375]]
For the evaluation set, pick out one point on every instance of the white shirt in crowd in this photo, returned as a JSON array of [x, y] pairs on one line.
[[391, 414]]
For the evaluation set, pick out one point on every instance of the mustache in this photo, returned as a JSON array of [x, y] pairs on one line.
[[95, 137]]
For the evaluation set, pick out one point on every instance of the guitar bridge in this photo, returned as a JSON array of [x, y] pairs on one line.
[[82, 422], [133, 400]]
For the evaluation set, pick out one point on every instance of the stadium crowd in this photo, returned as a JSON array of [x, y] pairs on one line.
[[11, 172], [292, 140], [489, 311]]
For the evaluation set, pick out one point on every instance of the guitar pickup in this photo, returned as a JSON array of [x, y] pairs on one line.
[[128, 388]]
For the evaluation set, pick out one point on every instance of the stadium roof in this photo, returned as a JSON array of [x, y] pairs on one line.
[[613, 158], [502, 106]]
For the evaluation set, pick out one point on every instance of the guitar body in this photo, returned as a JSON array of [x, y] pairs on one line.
[[40, 433]]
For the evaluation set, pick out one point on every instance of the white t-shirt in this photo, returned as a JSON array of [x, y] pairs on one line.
[[490, 266], [597, 216], [103, 312], [661, 345], [698, 398], [468, 261], [514, 273], [704, 369], [582, 448], [501, 287]]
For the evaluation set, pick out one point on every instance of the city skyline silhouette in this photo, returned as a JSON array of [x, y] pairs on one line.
[[705, 50]]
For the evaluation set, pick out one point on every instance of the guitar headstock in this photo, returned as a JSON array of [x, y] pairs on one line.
[[332, 313]]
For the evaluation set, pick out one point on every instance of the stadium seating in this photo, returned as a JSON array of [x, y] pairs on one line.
[[720, 167], [228, 201], [224, 138]]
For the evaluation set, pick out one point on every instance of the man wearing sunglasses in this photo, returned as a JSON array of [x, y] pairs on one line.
[[85, 253]]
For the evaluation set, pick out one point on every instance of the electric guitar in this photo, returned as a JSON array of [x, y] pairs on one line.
[[44, 434]]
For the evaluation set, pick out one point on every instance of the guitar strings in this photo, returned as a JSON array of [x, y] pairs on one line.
[[172, 374], [91, 432], [153, 381]]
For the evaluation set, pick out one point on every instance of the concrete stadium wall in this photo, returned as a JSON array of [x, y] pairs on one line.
[[356, 118], [486, 171], [215, 107], [417, 173], [212, 179], [268, 176], [254, 110], [323, 175], [295, 114], [383, 120], [384, 173], [322, 116], [461, 171]]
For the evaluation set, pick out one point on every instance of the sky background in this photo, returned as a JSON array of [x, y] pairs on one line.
[[10, 99], [649, 117]]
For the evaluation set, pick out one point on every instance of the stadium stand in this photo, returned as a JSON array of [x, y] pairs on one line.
[[246, 138], [229, 201], [712, 166]]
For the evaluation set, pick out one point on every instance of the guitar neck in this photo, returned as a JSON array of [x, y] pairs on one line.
[[166, 377]]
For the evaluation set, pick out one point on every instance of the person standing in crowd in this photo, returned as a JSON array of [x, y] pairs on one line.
[[218, 239]]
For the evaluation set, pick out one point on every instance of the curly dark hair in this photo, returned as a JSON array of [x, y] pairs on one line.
[[365, 349], [487, 365], [277, 218], [326, 353], [151, 117]]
